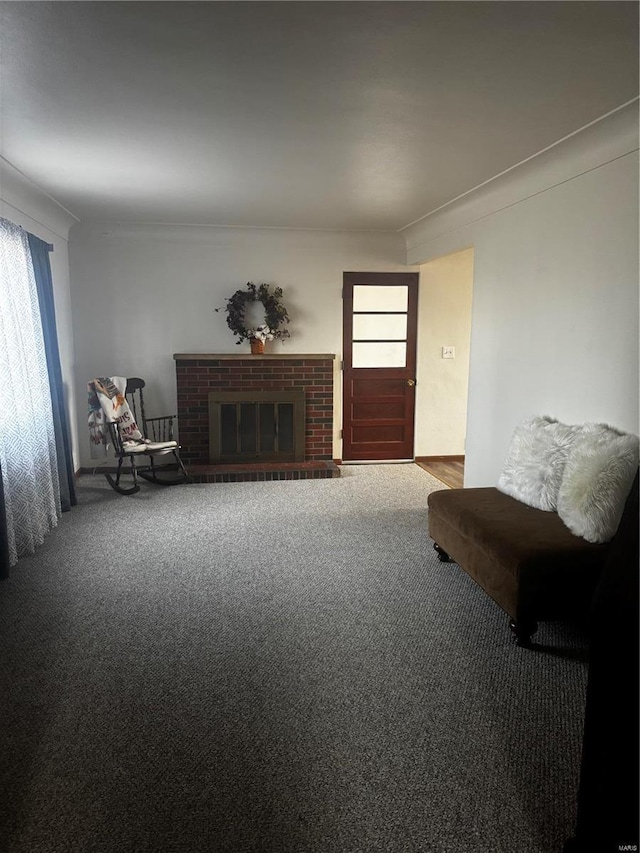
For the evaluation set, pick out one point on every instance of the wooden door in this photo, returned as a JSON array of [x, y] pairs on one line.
[[379, 335]]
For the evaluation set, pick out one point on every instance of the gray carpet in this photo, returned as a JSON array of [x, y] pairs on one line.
[[275, 667]]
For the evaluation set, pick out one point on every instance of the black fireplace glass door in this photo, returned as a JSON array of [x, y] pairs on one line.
[[248, 435], [228, 429], [267, 427], [285, 428], [257, 425]]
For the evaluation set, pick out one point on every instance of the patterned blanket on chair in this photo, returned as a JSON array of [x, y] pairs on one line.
[[107, 404]]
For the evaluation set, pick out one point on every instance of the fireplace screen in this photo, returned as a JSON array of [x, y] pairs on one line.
[[249, 426]]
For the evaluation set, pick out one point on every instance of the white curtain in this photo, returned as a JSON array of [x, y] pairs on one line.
[[27, 440]]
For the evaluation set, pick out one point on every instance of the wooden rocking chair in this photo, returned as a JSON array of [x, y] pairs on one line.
[[159, 442]]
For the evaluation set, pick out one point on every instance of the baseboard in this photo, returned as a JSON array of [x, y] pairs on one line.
[[455, 458], [100, 469]]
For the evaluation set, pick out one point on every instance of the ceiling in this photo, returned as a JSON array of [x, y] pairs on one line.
[[338, 115]]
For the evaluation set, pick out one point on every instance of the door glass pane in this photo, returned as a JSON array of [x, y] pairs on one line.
[[373, 297], [376, 327], [379, 355]]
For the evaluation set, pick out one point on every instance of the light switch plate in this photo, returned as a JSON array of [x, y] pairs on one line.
[[448, 352]]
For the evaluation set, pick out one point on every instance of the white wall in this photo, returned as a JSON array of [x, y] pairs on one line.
[[444, 319], [24, 204], [142, 293], [555, 295]]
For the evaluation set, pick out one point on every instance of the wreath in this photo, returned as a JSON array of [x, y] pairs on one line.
[[275, 314]]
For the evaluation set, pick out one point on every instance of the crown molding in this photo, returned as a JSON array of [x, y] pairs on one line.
[[609, 138], [20, 193]]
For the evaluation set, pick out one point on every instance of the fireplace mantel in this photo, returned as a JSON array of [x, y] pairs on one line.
[[232, 356]]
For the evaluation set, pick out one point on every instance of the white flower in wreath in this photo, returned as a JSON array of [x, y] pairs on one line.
[[262, 333]]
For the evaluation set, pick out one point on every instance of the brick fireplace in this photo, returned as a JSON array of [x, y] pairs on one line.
[[201, 375]]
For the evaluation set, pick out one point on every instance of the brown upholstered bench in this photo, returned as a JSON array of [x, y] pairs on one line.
[[526, 559]]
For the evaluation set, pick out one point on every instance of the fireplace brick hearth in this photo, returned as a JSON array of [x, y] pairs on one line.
[[198, 374]]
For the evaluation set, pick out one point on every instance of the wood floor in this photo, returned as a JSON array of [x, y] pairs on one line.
[[447, 469]]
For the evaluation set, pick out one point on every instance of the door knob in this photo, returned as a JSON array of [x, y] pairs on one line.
[[411, 382]]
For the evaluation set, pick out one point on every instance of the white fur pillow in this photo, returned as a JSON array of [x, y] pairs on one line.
[[597, 479], [535, 462]]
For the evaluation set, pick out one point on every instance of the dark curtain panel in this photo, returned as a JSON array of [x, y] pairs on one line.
[[4, 548], [609, 788], [44, 284]]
